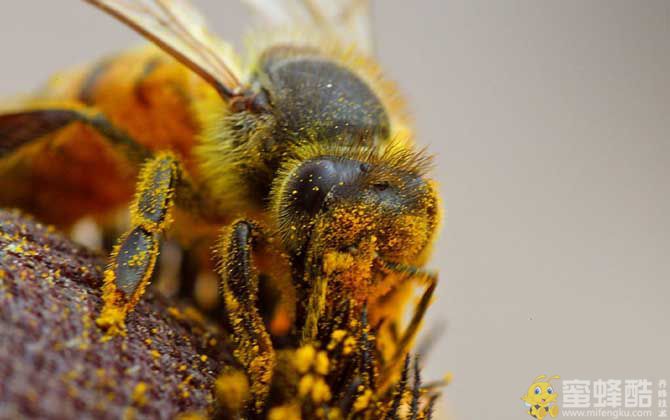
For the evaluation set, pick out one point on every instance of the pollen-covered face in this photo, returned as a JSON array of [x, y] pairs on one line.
[[357, 214], [540, 393]]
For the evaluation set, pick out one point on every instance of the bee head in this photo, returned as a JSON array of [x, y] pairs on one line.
[[360, 203]]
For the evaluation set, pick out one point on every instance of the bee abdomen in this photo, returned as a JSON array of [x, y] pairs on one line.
[[91, 81]]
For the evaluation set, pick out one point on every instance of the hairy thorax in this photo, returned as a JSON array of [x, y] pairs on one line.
[[304, 97]]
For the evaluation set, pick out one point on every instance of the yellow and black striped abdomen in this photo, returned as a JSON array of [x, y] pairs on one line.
[[74, 171]]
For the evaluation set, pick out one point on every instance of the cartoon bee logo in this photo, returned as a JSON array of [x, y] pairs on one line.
[[540, 399]]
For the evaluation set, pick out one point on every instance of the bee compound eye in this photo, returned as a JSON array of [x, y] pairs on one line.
[[315, 179]]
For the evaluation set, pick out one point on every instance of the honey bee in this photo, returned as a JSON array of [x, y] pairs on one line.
[[300, 150]]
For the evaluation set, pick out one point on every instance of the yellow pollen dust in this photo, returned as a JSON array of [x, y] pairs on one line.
[[232, 389], [304, 357], [363, 401], [336, 262], [322, 364], [137, 259], [139, 395]]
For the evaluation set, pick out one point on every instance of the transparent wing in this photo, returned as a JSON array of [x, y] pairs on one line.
[[348, 20], [176, 27]]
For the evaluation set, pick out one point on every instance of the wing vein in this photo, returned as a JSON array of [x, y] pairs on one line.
[[177, 29]]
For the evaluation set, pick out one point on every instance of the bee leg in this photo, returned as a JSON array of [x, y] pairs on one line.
[[416, 390], [134, 256], [408, 336], [419, 312], [239, 290], [399, 392]]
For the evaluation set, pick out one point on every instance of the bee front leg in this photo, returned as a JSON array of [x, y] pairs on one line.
[[134, 256], [406, 338], [239, 289]]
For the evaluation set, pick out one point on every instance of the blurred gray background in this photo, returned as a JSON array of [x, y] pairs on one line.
[[550, 124]]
